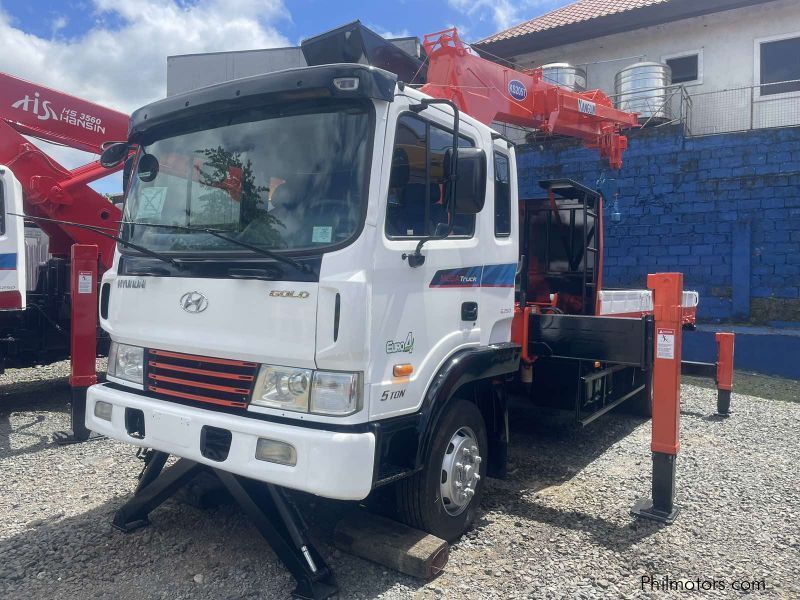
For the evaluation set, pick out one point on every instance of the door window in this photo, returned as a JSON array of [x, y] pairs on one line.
[[416, 205], [502, 196]]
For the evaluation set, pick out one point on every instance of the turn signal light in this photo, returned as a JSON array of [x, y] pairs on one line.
[[403, 370]]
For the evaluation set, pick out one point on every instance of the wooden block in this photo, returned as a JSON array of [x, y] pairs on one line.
[[392, 544]]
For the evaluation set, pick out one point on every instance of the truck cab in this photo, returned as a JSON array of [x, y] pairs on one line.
[[12, 247], [315, 288]]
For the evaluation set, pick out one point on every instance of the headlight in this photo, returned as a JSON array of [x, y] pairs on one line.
[[282, 387], [336, 394], [303, 390], [126, 362]]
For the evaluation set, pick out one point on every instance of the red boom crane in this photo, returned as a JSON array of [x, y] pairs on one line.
[[51, 190], [491, 92], [35, 323]]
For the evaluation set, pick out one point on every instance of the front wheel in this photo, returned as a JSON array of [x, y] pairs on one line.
[[444, 497]]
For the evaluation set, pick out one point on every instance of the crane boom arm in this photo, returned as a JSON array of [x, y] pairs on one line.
[[491, 92], [49, 189], [54, 116]]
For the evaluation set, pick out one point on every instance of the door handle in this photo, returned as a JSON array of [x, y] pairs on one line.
[[469, 311]]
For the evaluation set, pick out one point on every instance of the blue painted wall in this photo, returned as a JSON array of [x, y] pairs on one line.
[[723, 209]]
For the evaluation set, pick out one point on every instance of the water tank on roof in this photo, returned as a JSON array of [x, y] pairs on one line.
[[642, 88], [565, 75]]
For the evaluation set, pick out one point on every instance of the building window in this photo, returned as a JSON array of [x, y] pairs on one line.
[[778, 62], [502, 196], [417, 206], [686, 67]]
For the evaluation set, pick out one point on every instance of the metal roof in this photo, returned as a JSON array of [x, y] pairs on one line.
[[587, 19], [583, 10]]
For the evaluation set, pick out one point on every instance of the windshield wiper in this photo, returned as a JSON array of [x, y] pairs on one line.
[[102, 231], [263, 251]]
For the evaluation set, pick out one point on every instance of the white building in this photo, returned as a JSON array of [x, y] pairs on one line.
[[729, 55]]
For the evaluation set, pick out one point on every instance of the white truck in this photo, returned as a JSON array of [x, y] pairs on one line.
[[285, 312], [325, 281]]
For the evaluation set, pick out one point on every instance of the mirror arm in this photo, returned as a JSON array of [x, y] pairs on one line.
[[417, 259]]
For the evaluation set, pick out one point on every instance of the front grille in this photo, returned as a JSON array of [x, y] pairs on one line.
[[217, 381]]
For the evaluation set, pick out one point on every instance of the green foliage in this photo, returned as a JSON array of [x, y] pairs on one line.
[[217, 204]]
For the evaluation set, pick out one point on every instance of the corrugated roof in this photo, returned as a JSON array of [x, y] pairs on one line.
[[577, 12]]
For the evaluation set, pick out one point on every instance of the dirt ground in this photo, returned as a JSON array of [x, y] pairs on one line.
[[557, 527]]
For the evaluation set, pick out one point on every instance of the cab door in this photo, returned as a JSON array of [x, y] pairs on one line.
[[423, 314], [12, 243]]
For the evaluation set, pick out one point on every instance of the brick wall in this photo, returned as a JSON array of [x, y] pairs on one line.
[[723, 209]]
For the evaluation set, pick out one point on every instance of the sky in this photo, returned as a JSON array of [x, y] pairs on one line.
[[113, 52]]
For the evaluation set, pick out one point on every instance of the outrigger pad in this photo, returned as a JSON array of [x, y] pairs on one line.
[[68, 437], [130, 526], [644, 508]]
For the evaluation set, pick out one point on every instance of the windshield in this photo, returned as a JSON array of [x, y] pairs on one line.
[[278, 180]]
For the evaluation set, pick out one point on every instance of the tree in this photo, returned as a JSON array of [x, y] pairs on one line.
[[230, 180]]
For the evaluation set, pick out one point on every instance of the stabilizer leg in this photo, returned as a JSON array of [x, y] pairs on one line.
[[661, 507], [77, 432], [281, 525], [265, 504], [153, 490], [723, 402]]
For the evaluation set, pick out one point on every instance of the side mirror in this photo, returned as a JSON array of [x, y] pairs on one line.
[[114, 154], [471, 184], [147, 167]]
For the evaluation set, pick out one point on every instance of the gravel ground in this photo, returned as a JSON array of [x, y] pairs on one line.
[[558, 527]]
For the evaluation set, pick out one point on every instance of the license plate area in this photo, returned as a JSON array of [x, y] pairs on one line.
[[168, 427]]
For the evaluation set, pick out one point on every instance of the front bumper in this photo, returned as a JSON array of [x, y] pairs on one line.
[[329, 464]]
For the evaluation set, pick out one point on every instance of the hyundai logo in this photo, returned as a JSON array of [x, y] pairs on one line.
[[194, 302]]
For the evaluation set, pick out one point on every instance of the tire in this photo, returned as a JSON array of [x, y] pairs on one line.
[[420, 500]]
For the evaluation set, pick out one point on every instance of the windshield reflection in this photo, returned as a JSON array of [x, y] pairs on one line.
[[283, 182]]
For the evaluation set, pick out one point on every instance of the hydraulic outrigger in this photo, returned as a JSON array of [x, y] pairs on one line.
[[268, 507], [52, 315]]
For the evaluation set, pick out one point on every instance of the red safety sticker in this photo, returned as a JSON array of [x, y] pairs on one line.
[[665, 344]]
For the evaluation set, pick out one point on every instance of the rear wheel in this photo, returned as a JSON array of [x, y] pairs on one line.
[[444, 497]]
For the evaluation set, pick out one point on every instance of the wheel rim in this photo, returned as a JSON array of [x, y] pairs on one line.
[[460, 471]]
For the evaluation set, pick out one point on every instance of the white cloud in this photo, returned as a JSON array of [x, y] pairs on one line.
[[502, 13], [389, 34], [124, 67], [58, 24], [464, 31]]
